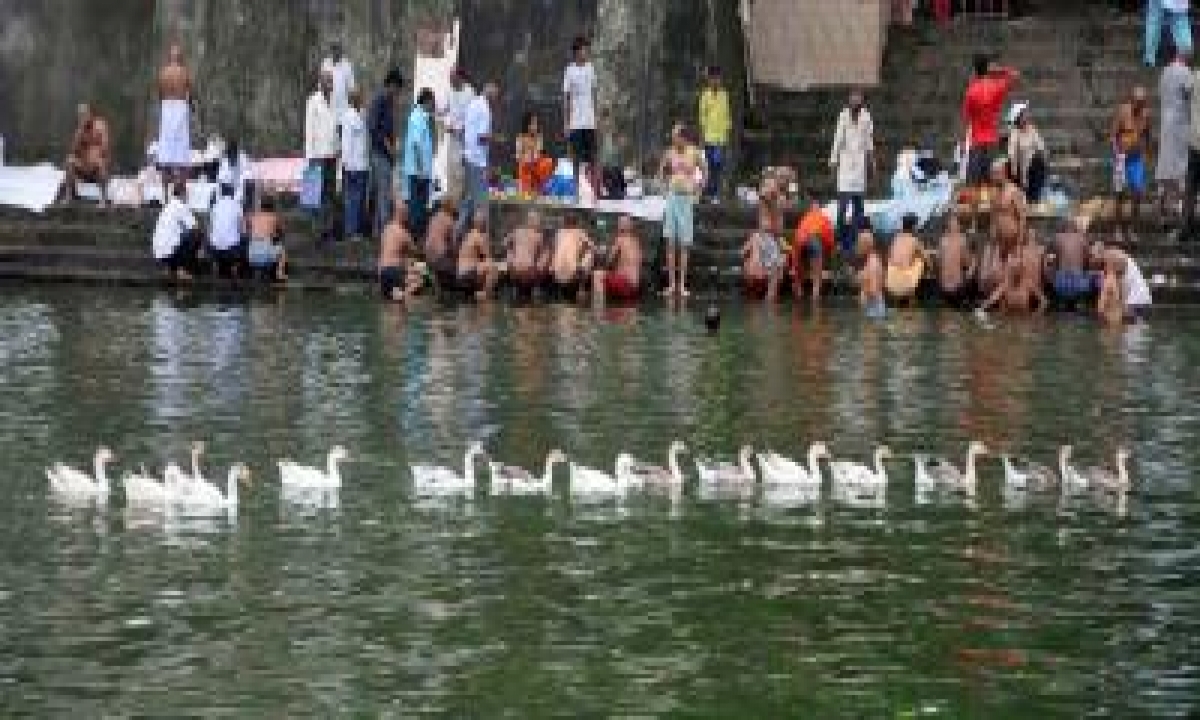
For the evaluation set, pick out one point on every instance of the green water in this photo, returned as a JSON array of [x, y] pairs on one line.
[[385, 605]]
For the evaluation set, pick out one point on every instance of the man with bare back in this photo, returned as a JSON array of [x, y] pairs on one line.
[[174, 120], [1009, 212], [527, 258], [477, 273], [440, 248], [620, 281], [956, 266]]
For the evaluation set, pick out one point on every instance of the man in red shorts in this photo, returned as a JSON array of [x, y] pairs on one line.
[[621, 283], [982, 106]]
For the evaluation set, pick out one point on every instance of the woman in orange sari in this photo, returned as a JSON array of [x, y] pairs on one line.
[[533, 168]]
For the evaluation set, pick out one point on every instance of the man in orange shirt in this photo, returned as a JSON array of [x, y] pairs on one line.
[[813, 243], [982, 106]]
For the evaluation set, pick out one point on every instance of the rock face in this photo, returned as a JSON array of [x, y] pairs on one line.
[[255, 61]]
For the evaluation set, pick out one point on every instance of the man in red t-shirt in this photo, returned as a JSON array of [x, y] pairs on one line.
[[982, 106]]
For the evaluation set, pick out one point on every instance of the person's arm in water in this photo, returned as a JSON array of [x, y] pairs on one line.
[[998, 293]]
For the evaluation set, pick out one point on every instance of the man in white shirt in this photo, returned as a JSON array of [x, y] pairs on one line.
[[225, 226], [321, 146], [356, 168], [477, 138], [342, 72], [579, 94], [1173, 13], [453, 120], [174, 244]]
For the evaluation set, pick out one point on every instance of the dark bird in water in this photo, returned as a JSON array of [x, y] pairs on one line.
[[712, 318]]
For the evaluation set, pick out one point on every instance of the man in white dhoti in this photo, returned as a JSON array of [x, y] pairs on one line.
[[453, 120], [174, 122]]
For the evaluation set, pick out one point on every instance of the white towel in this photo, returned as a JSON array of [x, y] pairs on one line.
[[175, 133]]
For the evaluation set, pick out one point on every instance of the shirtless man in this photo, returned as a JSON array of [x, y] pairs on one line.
[[1017, 292], [1073, 281], [906, 262], [1010, 212], [174, 122], [266, 255], [1130, 138], [956, 266], [439, 243], [762, 263], [571, 261], [399, 279], [1111, 306], [527, 258], [89, 156], [870, 277], [621, 282], [477, 273]]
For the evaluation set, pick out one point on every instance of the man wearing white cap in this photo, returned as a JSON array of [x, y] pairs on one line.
[[1027, 152]]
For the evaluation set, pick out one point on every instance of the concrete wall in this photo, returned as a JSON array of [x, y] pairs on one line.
[[255, 61]]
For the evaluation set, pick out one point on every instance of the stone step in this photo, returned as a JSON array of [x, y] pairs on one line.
[[32, 273]]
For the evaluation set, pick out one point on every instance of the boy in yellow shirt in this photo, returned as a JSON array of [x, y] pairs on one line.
[[715, 125]]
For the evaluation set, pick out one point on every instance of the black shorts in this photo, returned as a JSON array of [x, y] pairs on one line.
[[979, 163], [470, 281], [390, 280], [228, 259], [960, 298], [185, 255], [583, 146]]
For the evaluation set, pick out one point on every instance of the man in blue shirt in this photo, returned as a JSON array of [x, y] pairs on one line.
[[418, 162], [382, 126]]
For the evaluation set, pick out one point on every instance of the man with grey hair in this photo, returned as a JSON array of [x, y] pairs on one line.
[[321, 149], [477, 139]]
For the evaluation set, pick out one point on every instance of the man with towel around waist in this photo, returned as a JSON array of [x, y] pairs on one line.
[[175, 115]]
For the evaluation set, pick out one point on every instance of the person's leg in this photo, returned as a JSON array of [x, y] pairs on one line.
[[670, 267], [381, 179], [842, 226], [858, 210], [1154, 13], [1191, 186], [421, 190], [687, 236], [467, 210], [350, 202], [818, 269], [712, 161]]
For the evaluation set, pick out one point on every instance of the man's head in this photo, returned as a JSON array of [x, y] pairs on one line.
[[400, 213], [1096, 255], [491, 91], [1000, 171], [1080, 223], [356, 99], [580, 49], [982, 64], [336, 52], [571, 221], [625, 225], [533, 220], [458, 76], [84, 112], [1183, 56], [175, 53], [856, 100], [679, 135], [448, 205], [268, 203], [425, 99], [713, 77], [865, 244], [226, 190], [1138, 97], [479, 221], [953, 226], [325, 82], [909, 223], [179, 190], [394, 82]]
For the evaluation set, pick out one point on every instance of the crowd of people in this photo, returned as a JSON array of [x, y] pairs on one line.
[[375, 167]]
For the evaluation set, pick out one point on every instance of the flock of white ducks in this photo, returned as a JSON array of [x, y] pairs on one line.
[[778, 478]]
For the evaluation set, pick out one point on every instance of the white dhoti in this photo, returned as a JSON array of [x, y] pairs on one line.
[[175, 133], [455, 173]]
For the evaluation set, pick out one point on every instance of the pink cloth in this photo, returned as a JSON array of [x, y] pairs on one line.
[[280, 174]]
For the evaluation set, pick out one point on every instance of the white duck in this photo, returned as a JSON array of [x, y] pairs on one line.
[[728, 479], [852, 479], [182, 484], [512, 480], [1072, 479], [209, 497], [435, 480], [141, 489], [1028, 476], [587, 482], [66, 480], [940, 474], [632, 473], [302, 476], [785, 480], [1110, 481]]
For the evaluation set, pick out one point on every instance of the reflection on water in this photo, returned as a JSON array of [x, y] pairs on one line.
[[372, 601]]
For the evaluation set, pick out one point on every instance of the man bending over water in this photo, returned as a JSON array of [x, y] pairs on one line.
[[398, 279], [571, 264], [1020, 289], [527, 258], [621, 282], [906, 262], [477, 274], [1073, 281], [439, 243], [870, 277], [762, 263], [956, 266]]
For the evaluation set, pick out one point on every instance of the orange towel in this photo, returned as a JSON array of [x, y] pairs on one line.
[[533, 174]]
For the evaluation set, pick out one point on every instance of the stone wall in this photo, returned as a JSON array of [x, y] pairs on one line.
[[255, 61]]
